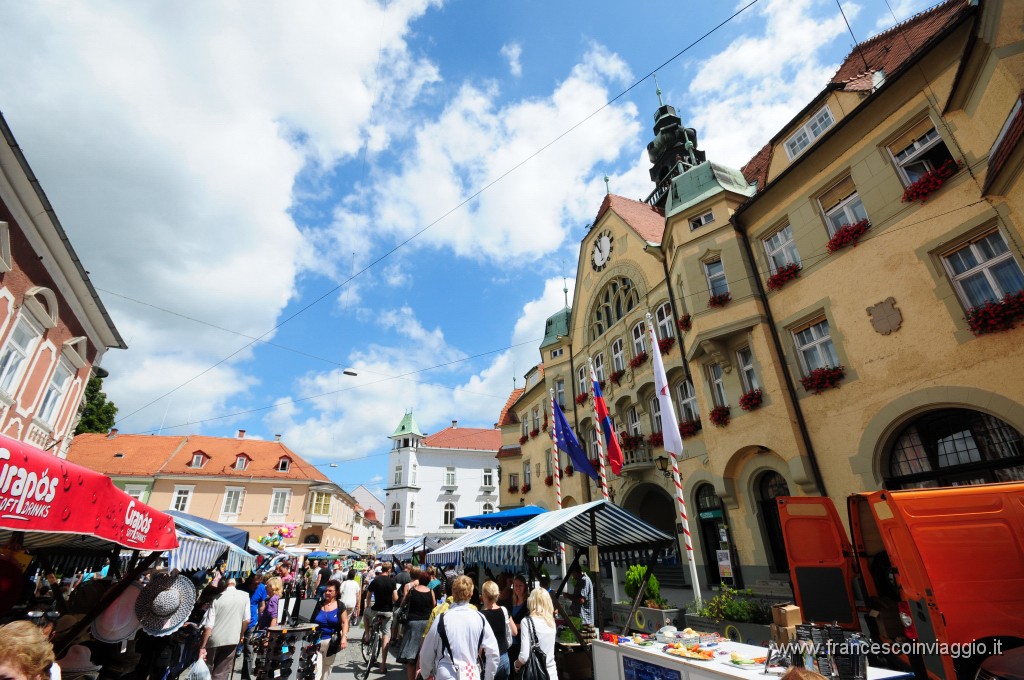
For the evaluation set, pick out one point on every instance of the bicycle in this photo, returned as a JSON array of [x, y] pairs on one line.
[[374, 641]]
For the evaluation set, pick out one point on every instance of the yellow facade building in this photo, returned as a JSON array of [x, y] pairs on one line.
[[838, 315]]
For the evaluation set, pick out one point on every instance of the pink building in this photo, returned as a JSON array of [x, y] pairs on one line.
[[53, 326]]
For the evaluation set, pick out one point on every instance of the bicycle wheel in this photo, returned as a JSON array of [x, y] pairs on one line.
[[373, 653]]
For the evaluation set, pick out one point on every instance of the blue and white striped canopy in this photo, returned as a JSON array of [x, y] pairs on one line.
[[621, 535], [194, 553], [239, 561], [406, 550], [451, 553]]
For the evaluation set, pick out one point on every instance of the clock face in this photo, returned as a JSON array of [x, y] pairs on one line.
[[602, 250]]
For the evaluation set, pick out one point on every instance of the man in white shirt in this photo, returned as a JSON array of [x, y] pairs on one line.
[[223, 628], [466, 631]]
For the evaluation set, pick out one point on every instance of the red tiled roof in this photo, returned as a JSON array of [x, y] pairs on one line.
[[890, 50], [508, 416], [473, 438], [997, 159], [756, 169], [645, 220], [147, 455], [509, 451]]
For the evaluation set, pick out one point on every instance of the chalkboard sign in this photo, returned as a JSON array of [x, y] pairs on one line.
[[824, 595], [634, 669]]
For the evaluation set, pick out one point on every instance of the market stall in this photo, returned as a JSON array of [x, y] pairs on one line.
[[451, 553], [228, 539], [499, 520], [413, 546]]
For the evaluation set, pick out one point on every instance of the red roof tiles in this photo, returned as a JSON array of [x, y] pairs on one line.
[[1006, 145], [470, 438], [756, 169], [645, 220], [508, 416]]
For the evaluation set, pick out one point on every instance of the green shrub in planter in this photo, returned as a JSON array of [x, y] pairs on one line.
[[634, 577], [730, 604]]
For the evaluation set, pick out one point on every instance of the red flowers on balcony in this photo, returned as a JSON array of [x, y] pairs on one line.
[[665, 345], [719, 416], [638, 360], [569, 470], [751, 400], [685, 323], [689, 428], [931, 181], [525, 488], [533, 433], [784, 275], [582, 398], [993, 317], [630, 442], [616, 376], [821, 379], [848, 235], [656, 439], [720, 300], [525, 438]]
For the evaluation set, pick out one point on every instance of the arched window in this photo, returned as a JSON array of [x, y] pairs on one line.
[[771, 485], [583, 380], [618, 356], [955, 447], [599, 367], [639, 339], [617, 299], [488, 508], [396, 515], [448, 516], [663, 317]]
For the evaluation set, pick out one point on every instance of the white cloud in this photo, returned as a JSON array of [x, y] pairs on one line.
[[169, 140], [746, 93], [903, 9], [512, 52], [345, 416]]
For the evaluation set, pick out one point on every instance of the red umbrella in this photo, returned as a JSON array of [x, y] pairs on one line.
[[59, 503]]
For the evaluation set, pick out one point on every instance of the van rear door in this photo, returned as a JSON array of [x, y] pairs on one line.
[[821, 565]]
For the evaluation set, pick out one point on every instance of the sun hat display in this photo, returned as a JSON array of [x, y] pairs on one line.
[[118, 621], [64, 626], [78, 659], [165, 603], [86, 596]]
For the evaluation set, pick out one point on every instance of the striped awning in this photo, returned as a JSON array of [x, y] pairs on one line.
[[259, 549], [621, 536], [406, 550], [239, 561], [451, 553], [194, 552]]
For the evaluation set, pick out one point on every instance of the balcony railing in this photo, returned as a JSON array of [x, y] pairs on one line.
[[317, 518], [638, 457]]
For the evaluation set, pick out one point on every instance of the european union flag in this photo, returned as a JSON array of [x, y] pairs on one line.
[[567, 442]]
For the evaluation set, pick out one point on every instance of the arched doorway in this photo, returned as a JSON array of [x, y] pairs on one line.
[[954, 447], [715, 538], [654, 505], [769, 486]]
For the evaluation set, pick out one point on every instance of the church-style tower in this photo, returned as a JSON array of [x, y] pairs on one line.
[[673, 150]]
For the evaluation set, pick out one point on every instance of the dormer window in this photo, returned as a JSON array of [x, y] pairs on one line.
[[198, 460], [810, 131], [698, 222], [241, 461], [283, 464]]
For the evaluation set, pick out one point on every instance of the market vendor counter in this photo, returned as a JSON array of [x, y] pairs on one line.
[[629, 661]]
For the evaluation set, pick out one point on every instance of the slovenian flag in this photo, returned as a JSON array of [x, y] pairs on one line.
[[567, 441], [607, 426]]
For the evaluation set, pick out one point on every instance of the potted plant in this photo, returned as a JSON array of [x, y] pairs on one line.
[[821, 379], [689, 428], [751, 400], [653, 613], [848, 235], [534, 432], [734, 614], [685, 323], [996, 316], [582, 397], [549, 480], [665, 345], [616, 376], [784, 275], [931, 181], [656, 439], [719, 416], [720, 300], [525, 438], [525, 488], [638, 360], [569, 470]]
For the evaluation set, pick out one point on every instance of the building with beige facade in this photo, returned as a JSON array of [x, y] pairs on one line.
[[253, 484], [842, 314]]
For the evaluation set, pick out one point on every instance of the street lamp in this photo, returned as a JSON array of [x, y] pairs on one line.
[[664, 465]]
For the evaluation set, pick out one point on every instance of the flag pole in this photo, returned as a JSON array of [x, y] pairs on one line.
[[600, 437], [557, 473], [673, 443]]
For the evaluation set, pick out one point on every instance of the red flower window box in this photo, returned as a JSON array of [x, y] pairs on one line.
[[720, 300], [665, 345], [525, 438], [630, 442], [719, 416], [569, 470], [821, 379], [656, 439], [582, 398], [525, 488], [784, 275], [689, 428], [848, 235], [616, 376], [544, 425], [534, 433], [513, 489], [549, 480], [931, 181], [751, 400], [638, 360], [993, 317], [684, 324]]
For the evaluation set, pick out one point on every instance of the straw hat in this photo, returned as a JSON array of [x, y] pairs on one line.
[[165, 604], [118, 621], [78, 659]]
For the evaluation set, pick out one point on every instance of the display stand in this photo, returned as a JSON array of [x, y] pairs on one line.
[[289, 653]]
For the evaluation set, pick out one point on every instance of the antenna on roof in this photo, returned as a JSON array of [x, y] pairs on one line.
[[607, 187], [565, 288], [856, 44], [658, 90]]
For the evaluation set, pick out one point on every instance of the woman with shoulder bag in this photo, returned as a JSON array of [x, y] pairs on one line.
[[537, 653], [419, 602], [502, 625], [332, 617]]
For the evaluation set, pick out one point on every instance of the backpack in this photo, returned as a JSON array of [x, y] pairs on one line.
[[464, 671], [536, 666]]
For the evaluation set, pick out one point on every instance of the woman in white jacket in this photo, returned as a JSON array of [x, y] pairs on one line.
[[539, 628], [467, 632]]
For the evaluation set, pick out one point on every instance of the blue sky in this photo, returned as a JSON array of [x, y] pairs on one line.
[[308, 174]]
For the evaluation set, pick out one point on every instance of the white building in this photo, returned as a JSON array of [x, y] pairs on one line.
[[434, 479]]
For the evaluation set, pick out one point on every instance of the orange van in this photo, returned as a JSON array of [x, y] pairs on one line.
[[935, 576]]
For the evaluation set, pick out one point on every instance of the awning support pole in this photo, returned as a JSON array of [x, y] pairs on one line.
[[598, 619], [557, 599]]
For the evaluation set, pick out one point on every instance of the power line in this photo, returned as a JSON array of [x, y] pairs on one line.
[[443, 216]]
